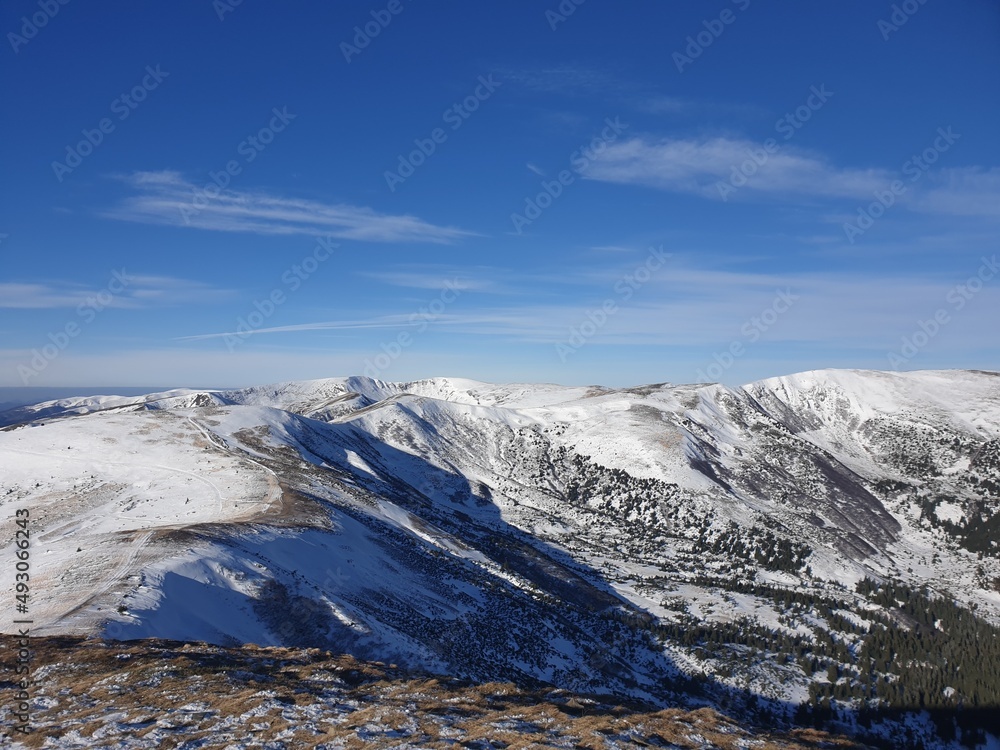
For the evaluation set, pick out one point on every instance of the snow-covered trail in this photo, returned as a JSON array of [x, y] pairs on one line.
[[274, 486], [171, 469], [100, 488], [118, 575]]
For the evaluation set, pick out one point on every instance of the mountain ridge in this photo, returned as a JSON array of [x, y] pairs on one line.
[[639, 542]]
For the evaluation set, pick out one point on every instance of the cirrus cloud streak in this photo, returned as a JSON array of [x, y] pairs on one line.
[[168, 198]]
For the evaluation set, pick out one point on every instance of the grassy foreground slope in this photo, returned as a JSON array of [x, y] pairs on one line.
[[152, 694]]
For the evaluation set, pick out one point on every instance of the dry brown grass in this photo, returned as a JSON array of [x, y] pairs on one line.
[[138, 688]]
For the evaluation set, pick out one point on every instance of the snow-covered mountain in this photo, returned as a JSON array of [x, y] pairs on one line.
[[797, 540]]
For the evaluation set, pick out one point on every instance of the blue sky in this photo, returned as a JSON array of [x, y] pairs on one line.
[[215, 194]]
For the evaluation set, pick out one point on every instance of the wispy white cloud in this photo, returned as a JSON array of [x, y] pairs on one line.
[[697, 165], [970, 191], [381, 321], [166, 197], [678, 318], [38, 296], [659, 105], [692, 307], [440, 279], [537, 170], [137, 291], [582, 81], [565, 78]]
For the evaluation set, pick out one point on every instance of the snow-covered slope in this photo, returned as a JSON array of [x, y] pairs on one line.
[[590, 538]]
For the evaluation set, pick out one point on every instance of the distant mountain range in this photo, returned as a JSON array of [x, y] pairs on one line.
[[13, 397], [822, 548]]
